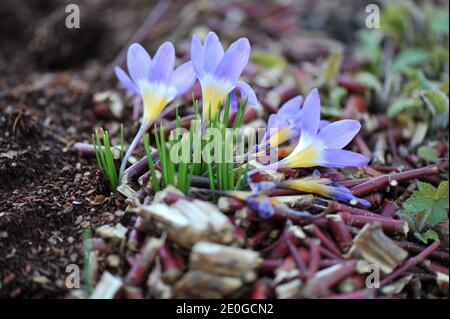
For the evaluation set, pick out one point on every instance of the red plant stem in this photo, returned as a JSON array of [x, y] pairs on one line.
[[371, 171], [171, 270], [329, 262], [260, 290], [409, 263], [391, 226], [392, 145], [296, 257], [258, 238], [340, 232], [362, 146], [324, 251], [144, 178], [380, 182], [139, 168], [324, 239], [314, 260], [388, 209], [280, 248], [325, 282], [334, 206], [432, 266], [268, 266], [139, 269], [353, 182], [438, 255], [385, 168]]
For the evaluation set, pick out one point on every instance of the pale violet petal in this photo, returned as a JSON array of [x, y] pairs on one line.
[[234, 60], [125, 80], [247, 92], [213, 52], [163, 63], [183, 78], [138, 62], [339, 134]]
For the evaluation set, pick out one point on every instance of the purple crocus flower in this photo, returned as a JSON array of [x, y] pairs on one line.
[[219, 71], [324, 147], [156, 81], [323, 186]]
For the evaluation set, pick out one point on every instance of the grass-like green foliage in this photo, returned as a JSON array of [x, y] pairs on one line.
[[175, 174], [104, 155], [222, 174]]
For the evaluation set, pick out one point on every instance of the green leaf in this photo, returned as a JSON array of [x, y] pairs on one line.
[[403, 104], [428, 153], [426, 236], [439, 22], [438, 103], [370, 80], [268, 60], [408, 58], [337, 94], [431, 200]]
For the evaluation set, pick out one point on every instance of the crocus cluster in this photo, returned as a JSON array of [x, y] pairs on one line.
[[318, 143], [324, 147], [157, 83]]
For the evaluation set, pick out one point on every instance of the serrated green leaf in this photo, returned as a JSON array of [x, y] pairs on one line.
[[429, 202], [403, 104], [426, 236], [428, 153], [408, 58]]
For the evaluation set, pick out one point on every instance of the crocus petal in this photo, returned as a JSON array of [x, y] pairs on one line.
[[340, 158], [213, 52], [183, 78], [311, 113], [125, 80], [197, 55], [291, 109], [342, 193], [138, 62], [234, 60], [247, 92], [262, 205], [163, 63], [339, 134], [234, 104]]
